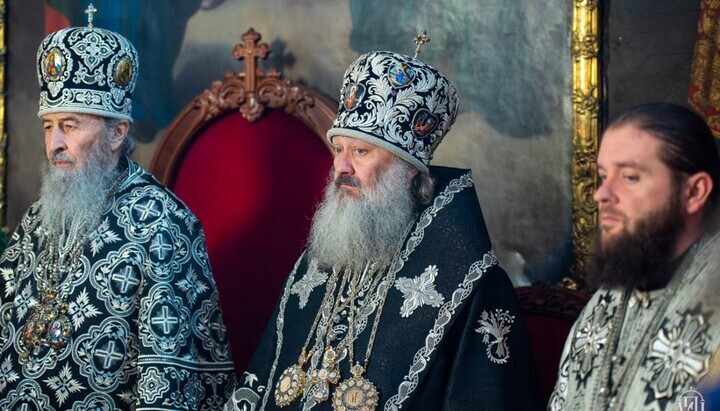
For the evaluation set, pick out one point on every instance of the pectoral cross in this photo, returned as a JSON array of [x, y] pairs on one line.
[[90, 11], [323, 377], [421, 39]]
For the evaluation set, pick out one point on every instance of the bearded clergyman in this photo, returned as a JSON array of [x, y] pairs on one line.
[[398, 301], [646, 339], [107, 301]]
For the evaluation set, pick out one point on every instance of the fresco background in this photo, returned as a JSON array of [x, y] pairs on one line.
[[510, 61]]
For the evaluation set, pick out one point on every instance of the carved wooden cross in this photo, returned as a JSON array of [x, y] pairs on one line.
[[90, 11], [250, 50]]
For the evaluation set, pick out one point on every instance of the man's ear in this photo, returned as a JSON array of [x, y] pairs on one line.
[[119, 133], [696, 192]]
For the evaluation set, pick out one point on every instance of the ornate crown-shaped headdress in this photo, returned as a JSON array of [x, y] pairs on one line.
[[398, 103], [87, 70]]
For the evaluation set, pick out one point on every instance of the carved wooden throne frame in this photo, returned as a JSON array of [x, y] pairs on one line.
[[250, 92]]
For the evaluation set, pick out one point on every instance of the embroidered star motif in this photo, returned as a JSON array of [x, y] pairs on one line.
[[192, 286], [24, 301], [64, 384], [419, 291], [312, 278], [102, 237], [81, 309], [7, 374], [8, 276]]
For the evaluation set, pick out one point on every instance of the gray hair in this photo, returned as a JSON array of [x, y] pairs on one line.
[[128, 145], [423, 189], [422, 186]]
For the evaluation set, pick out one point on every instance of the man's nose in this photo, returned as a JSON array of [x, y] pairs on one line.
[[604, 192], [56, 141], [343, 164]]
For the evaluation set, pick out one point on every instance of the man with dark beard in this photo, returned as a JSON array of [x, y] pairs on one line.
[[107, 301], [646, 338], [398, 301]]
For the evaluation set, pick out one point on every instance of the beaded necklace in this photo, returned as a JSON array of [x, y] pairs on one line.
[[49, 323]]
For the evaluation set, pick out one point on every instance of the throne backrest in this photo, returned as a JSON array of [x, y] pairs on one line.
[[550, 312], [250, 159]]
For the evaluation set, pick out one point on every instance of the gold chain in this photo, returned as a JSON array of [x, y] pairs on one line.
[[373, 331], [291, 383], [329, 291]]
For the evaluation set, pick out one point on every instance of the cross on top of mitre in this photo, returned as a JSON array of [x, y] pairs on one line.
[[90, 11], [420, 40]]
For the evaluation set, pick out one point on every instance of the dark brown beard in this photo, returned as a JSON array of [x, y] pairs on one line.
[[635, 260]]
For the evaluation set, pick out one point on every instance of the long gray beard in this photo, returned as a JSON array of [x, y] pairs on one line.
[[350, 232], [72, 202]]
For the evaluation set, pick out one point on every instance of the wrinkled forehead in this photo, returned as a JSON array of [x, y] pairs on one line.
[[72, 116], [359, 142]]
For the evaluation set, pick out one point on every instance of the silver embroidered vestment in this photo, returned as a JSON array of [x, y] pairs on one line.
[[147, 332], [663, 348], [430, 351]]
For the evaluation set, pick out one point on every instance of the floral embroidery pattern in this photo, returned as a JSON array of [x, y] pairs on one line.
[[312, 278], [64, 384], [192, 286], [24, 300], [102, 236], [419, 291], [496, 324], [8, 277], [81, 309], [7, 375]]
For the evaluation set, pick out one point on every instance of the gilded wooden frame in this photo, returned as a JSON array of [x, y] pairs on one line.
[[586, 104]]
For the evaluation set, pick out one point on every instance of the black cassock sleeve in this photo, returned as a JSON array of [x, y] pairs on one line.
[[485, 360]]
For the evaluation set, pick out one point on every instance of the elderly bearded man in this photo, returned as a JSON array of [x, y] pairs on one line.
[[398, 300], [646, 338], [107, 300]]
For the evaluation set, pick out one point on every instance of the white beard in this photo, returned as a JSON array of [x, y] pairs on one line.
[[351, 232], [71, 202]]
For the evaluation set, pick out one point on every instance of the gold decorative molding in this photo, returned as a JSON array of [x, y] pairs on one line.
[[586, 98], [3, 133]]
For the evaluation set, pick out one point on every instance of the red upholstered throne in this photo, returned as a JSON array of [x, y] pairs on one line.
[[550, 311], [250, 159]]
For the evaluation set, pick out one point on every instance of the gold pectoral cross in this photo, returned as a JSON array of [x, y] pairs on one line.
[[323, 377]]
